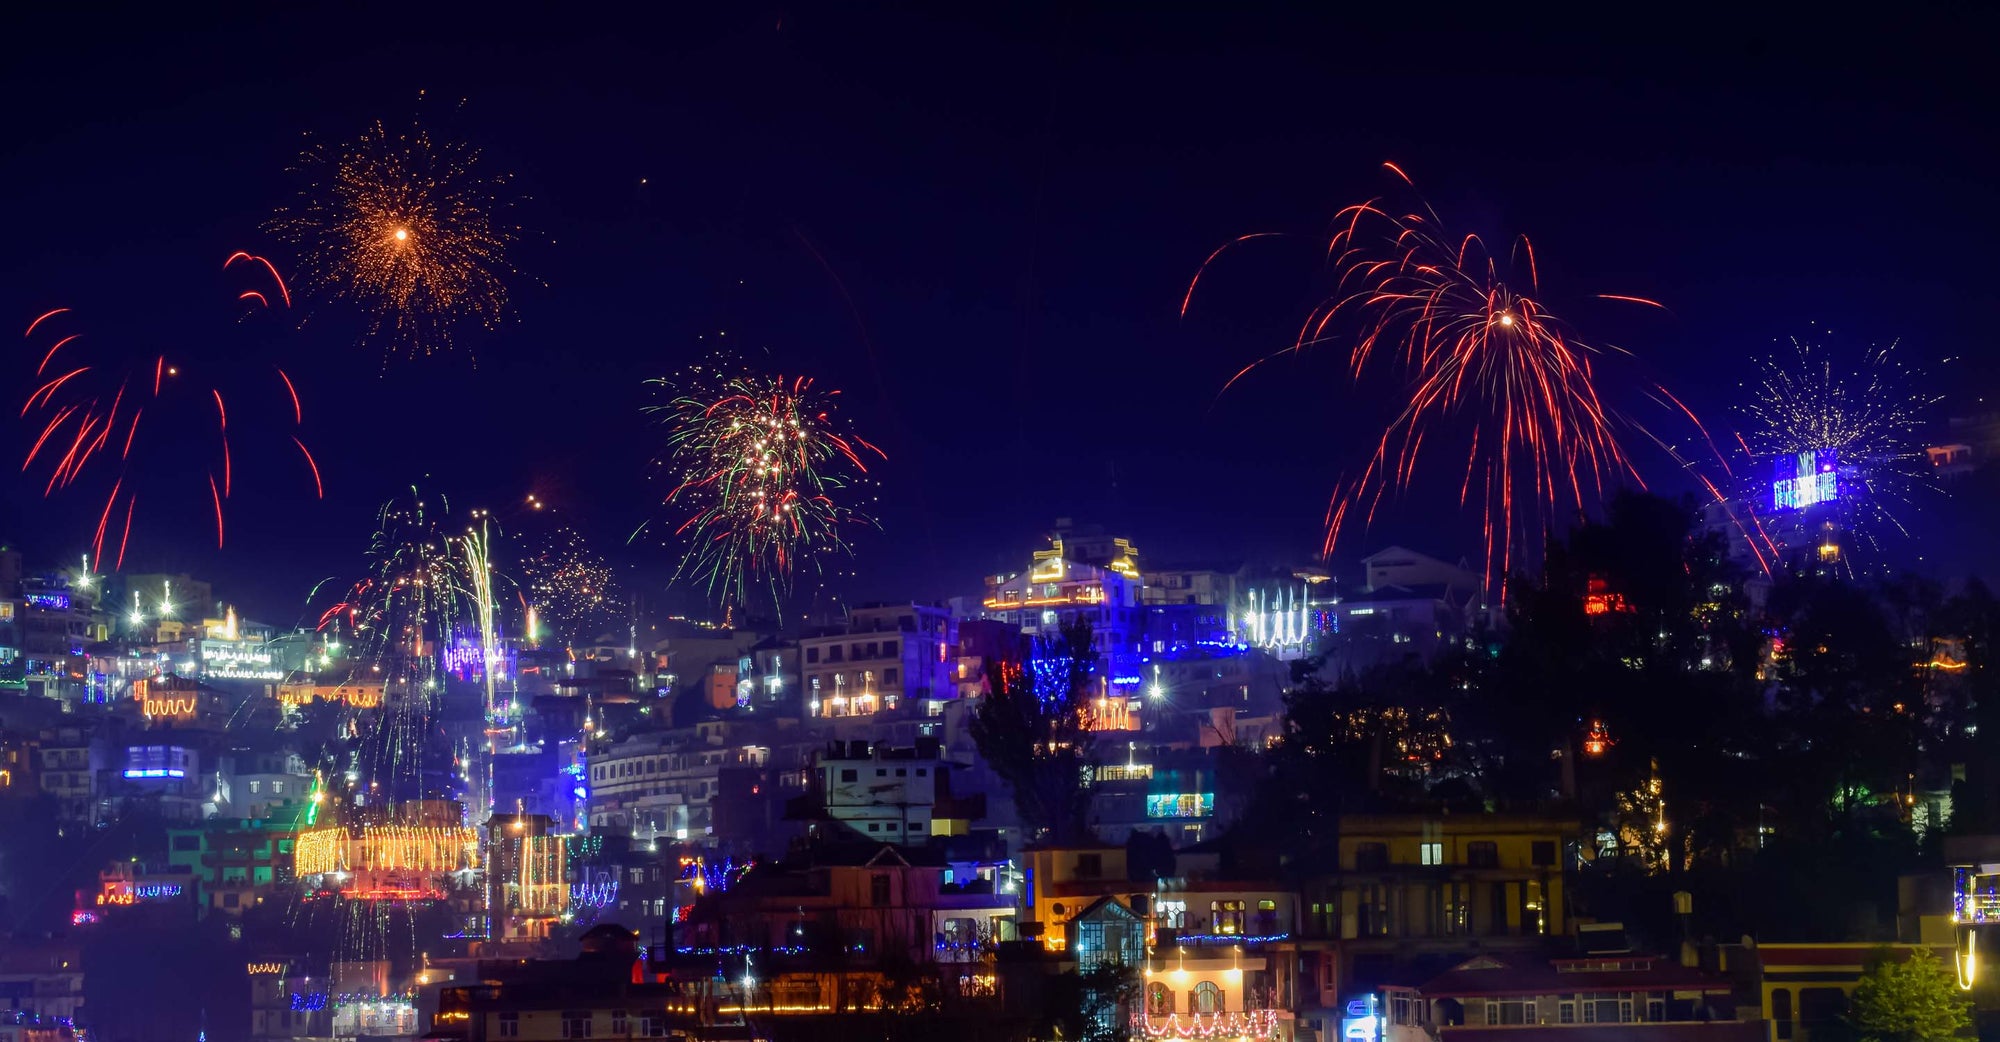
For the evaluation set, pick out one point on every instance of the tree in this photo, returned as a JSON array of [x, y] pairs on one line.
[[1909, 1000], [1034, 729]]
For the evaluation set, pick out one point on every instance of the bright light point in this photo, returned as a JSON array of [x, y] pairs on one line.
[[1506, 320], [402, 234]]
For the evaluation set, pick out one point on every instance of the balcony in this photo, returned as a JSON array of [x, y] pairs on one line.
[[1221, 1024]]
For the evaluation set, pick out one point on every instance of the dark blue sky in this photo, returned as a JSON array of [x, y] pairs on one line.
[[980, 225]]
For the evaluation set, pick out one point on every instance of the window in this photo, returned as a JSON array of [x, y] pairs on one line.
[[1226, 916], [187, 842], [902, 772], [1206, 998], [1781, 1010], [1371, 911], [1510, 1011], [1656, 1010], [1159, 1001], [1566, 1012], [1432, 853], [254, 786], [510, 1025], [874, 826], [881, 772], [1089, 866], [1171, 914], [889, 676], [653, 1025], [576, 1024], [878, 889], [889, 651], [922, 771], [848, 774], [1482, 854], [1371, 857], [619, 1024], [277, 788], [812, 655], [1543, 853]]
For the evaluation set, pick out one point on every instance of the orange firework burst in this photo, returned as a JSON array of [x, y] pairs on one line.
[[407, 227], [1481, 360], [94, 412]]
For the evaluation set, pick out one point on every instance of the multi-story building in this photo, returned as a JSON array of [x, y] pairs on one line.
[[1524, 995], [1415, 891], [41, 983], [1211, 585], [887, 795], [1096, 580], [893, 661], [527, 878], [661, 785], [75, 770], [1802, 989], [235, 864], [169, 769], [821, 927], [1060, 883], [56, 622]]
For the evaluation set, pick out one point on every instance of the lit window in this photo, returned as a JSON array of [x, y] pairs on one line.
[[1433, 853]]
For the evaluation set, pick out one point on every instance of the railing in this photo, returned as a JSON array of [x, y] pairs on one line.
[[1248, 1023], [1981, 906]]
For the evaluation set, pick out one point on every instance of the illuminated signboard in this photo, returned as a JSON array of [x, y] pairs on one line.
[[120, 892], [257, 968], [181, 705], [238, 660], [48, 601], [1804, 480], [1180, 804]]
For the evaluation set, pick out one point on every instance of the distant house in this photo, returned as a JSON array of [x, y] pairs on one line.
[[1525, 998]]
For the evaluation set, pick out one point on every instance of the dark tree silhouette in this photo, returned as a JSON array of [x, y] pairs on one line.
[[1033, 729]]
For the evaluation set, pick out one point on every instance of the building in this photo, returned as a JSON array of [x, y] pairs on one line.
[[1416, 893], [819, 929], [1093, 579], [600, 994], [41, 984], [1525, 997], [887, 795], [661, 785], [891, 661], [76, 766], [1217, 586], [1210, 993], [1058, 883], [527, 878], [1802, 989], [235, 864]]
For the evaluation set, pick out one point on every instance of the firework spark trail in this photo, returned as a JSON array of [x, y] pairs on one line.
[[1480, 361], [570, 586], [762, 467], [1863, 410], [409, 228], [88, 416]]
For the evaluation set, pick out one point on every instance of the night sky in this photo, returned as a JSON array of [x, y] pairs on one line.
[[981, 227]]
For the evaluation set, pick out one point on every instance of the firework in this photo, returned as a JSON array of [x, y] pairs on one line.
[[1494, 384], [569, 586], [1858, 416], [409, 228], [763, 470], [106, 415]]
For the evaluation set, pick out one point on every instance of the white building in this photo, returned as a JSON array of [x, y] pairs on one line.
[[893, 659]]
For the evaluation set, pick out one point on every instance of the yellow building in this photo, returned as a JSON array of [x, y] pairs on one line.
[[1059, 883], [1803, 988], [1412, 886]]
